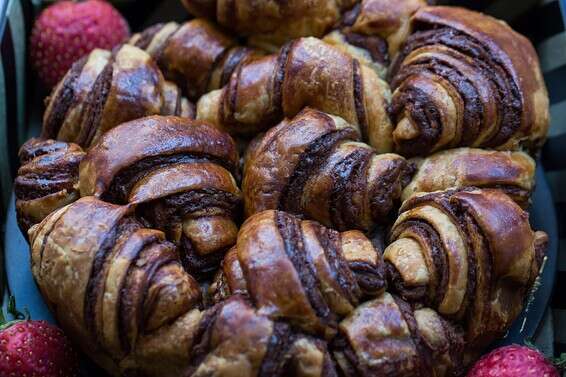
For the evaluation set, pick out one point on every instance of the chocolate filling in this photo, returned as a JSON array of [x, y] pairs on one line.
[[124, 180], [347, 359], [370, 277], [290, 230], [233, 59], [94, 106], [385, 190], [309, 162], [359, 98], [63, 101], [202, 338], [37, 147], [349, 177], [199, 266], [146, 37], [374, 45], [276, 359], [330, 242], [278, 78]]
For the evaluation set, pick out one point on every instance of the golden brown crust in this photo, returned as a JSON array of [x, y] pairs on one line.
[[105, 89], [470, 253], [511, 172], [314, 166], [178, 172], [269, 24], [305, 72], [47, 180], [482, 79]]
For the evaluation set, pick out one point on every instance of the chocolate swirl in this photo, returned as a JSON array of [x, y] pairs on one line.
[[314, 166], [471, 254], [466, 79], [179, 174], [105, 89], [270, 24], [47, 180], [305, 72], [301, 272], [196, 55]]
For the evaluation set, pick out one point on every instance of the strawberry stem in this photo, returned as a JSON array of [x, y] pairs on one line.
[[14, 313]]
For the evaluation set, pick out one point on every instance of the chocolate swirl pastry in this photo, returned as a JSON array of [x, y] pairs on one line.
[[511, 172], [269, 24], [119, 291], [179, 173], [196, 55], [466, 79], [47, 180], [314, 165], [373, 31], [305, 72], [386, 337], [471, 254], [301, 272], [105, 89]]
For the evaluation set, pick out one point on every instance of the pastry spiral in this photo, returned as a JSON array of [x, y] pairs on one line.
[[511, 172], [314, 165], [301, 272], [119, 290], [305, 72], [374, 30], [105, 89], [196, 55], [47, 180], [471, 254], [466, 79], [269, 24], [179, 174], [385, 337]]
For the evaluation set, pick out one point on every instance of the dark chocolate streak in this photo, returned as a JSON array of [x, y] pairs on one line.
[[132, 293], [96, 279], [233, 59], [374, 45], [370, 277], [95, 102], [508, 97], [349, 18], [56, 172], [290, 230], [423, 361], [382, 193], [359, 98], [349, 366], [350, 178], [279, 77], [275, 362], [146, 37], [63, 102], [330, 242], [310, 161], [38, 147], [202, 338], [122, 183]]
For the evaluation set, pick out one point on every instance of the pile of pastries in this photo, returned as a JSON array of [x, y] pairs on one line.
[[296, 188]]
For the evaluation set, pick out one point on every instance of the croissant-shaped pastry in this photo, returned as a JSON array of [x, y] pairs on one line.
[[196, 55], [179, 173], [511, 172], [300, 271], [120, 292], [385, 337], [48, 179], [471, 254], [305, 72], [466, 79], [315, 166], [374, 30], [269, 24], [105, 89]]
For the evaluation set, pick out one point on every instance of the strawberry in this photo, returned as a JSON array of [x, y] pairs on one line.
[[34, 348], [68, 30], [515, 361]]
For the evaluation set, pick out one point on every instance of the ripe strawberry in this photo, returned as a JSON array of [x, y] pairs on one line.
[[68, 30], [34, 348], [514, 361]]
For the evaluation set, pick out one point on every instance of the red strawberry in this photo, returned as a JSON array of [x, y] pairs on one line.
[[514, 361], [68, 30], [35, 348]]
